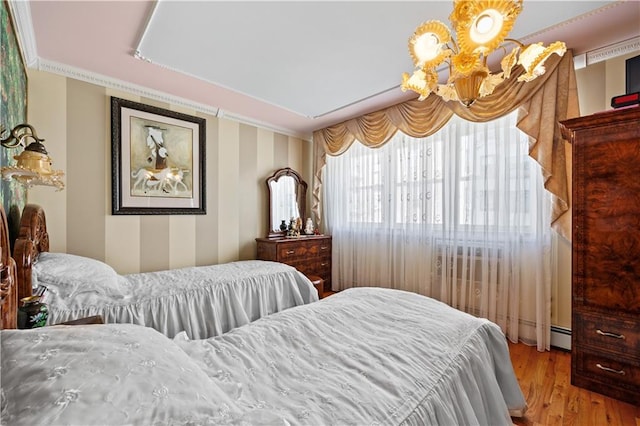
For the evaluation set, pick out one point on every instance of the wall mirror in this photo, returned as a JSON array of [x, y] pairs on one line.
[[287, 195]]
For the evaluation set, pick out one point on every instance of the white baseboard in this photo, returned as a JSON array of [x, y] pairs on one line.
[[561, 337]]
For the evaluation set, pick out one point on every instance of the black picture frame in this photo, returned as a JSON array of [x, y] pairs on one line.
[[158, 160]]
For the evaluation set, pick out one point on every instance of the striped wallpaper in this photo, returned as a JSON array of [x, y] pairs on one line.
[[74, 118]]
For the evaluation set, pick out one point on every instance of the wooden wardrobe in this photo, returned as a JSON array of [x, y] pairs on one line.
[[605, 335]]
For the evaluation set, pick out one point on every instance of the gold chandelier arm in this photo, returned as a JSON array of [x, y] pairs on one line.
[[513, 40], [454, 46]]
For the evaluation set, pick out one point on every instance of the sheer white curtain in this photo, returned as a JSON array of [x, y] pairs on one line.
[[460, 216]]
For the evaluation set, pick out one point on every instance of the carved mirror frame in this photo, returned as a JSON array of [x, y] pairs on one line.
[[300, 197]]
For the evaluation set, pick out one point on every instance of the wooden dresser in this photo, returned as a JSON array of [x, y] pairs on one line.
[[605, 336], [310, 255]]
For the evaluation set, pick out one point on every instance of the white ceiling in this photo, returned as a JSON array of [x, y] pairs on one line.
[[291, 66]]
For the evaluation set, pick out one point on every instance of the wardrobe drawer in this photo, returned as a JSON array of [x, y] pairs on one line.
[[607, 374], [613, 334]]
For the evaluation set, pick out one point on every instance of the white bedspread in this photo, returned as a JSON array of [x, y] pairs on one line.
[[366, 357], [112, 374], [361, 357], [203, 301]]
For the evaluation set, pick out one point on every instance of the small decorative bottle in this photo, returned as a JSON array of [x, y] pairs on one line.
[[283, 225], [32, 313]]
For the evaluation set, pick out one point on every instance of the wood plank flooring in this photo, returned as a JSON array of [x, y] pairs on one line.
[[545, 380]]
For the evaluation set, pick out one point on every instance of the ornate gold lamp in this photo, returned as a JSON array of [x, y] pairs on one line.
[[33, 164], [481, 27]]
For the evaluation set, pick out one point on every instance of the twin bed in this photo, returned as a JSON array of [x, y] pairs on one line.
[[204, 301], [362, 356]]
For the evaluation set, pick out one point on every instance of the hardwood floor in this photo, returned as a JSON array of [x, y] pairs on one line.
[[545, 380]]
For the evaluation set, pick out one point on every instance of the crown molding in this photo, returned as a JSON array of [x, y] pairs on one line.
[[618, 49], [257, 123], [21, 12], [112, 83], [607, 52]]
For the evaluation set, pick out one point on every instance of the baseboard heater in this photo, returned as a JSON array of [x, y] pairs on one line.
[[561, 338]]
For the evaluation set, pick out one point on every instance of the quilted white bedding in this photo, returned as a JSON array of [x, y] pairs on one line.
[[363, 356], [202, 301]]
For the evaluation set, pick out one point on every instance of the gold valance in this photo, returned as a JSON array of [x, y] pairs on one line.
[[542, 103]]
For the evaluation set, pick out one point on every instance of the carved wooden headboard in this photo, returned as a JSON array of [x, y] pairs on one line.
[[8, 280], [32, 240]]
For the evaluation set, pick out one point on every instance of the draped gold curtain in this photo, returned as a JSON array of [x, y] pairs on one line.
[[542, 103]]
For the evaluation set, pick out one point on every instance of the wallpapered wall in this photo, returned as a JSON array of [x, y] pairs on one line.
[[74, 118], [13, 111]]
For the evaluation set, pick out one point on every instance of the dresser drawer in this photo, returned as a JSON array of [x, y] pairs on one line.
[[321, 268], [613, 334], [606, 374], [309, 255], [303, 250]]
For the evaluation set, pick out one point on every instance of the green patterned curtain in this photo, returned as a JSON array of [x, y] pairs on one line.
[[13, 111]]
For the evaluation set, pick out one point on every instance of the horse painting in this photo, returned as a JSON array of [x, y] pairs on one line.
[[165, 182]]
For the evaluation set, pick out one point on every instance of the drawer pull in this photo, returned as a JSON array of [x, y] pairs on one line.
[[291, 251], [610, 370], [323, 247], [606, 334], [324, 264]]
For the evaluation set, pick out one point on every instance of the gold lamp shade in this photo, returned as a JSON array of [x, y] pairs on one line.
[[36, 161], [33, 165], [534, 56], [421, 82], [426, 44], [482, 27]]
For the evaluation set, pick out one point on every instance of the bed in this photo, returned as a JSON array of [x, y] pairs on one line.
[[362, 356], [8, 277], [203, 301]]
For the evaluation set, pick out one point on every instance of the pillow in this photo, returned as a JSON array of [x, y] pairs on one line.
[[68, 275], [105, 374]]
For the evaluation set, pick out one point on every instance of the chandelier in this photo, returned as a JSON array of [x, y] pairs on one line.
[[481, 27]]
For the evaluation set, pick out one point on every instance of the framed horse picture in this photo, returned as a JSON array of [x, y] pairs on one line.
[[158, 160]]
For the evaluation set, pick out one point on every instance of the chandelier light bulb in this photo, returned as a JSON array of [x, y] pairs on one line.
[[427, 47], [484, 24], [486, 27]]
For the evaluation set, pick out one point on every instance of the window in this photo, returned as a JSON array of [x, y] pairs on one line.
[[470, 175]]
